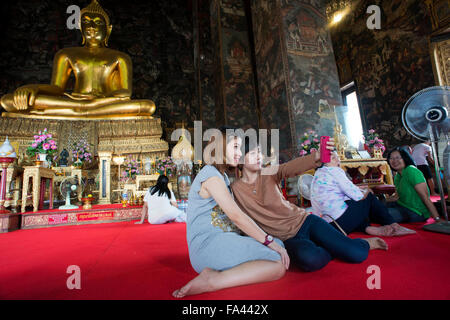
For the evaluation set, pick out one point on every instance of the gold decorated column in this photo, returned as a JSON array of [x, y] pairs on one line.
[[104, 196]]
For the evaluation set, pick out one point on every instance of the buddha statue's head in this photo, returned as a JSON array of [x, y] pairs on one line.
[[95, 25]]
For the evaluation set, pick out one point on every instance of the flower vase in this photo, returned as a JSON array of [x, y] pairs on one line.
[[377, 153], [78, 165], [42, 160]]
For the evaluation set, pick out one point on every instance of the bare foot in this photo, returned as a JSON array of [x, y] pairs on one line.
[[199, 284], [383, 231], [391, 230], [377, 243], [401, 231]]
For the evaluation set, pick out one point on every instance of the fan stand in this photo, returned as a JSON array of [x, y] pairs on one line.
[[444, 226], [68, 206]]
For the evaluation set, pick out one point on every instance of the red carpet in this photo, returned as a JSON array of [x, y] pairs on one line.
[[128, 261]]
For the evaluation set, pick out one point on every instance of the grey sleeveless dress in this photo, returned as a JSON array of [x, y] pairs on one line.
[[213, 240]]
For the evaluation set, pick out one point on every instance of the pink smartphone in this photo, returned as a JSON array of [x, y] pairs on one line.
[[325, 154]]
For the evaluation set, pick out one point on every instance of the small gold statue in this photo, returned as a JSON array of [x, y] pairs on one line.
[[340, 139], [103, 80]]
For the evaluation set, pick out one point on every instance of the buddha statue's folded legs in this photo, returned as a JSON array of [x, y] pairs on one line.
[[46, 105]]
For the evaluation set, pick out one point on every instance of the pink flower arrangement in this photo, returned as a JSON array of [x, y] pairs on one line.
[[309, 142], [166, 166], [131, 169], [43, 143], [372, 141], [81, 152]]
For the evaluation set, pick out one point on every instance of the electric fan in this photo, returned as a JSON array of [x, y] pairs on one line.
[[425, 116], [70, 188]]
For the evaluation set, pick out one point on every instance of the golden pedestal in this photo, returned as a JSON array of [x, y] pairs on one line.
[[121, 136]]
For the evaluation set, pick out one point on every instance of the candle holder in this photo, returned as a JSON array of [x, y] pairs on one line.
[[87, 202]]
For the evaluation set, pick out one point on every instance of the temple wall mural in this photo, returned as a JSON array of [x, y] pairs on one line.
[[206, 65], [313, 76], [296, 69], [235, 80], [388, 65], [270, 70]]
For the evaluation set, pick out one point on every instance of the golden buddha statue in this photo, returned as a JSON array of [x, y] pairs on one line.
[[103, 80], [340, 139]]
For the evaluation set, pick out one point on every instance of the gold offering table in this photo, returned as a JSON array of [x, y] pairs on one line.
[[38, 175], [363, 166]]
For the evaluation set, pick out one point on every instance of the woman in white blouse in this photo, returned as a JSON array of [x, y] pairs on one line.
[[161, 205], [335, 198]]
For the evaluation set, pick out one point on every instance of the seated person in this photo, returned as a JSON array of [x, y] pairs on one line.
[[411, 203], [335, 198], [310, 242], [218, 251], [160, 204]]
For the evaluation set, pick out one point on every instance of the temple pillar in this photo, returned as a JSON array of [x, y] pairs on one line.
[[104, 195], [235, 101], [296, 69]]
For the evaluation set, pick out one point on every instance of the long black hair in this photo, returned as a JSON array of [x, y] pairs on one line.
[[249, 145], [161, 187], [405, 156]]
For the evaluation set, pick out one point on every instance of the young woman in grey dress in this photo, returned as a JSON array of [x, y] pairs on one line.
[[218, 251]]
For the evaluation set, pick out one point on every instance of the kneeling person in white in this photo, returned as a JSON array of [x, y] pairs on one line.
[[161, 205]]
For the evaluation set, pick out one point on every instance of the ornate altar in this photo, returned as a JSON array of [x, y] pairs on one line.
[[382, 175], [373, 171]]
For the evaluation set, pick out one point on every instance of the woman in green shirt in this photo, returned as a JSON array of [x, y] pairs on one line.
[[412, 199]]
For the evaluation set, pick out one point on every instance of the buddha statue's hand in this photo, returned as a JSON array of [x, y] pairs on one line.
[[24, 97], [80, 96]]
